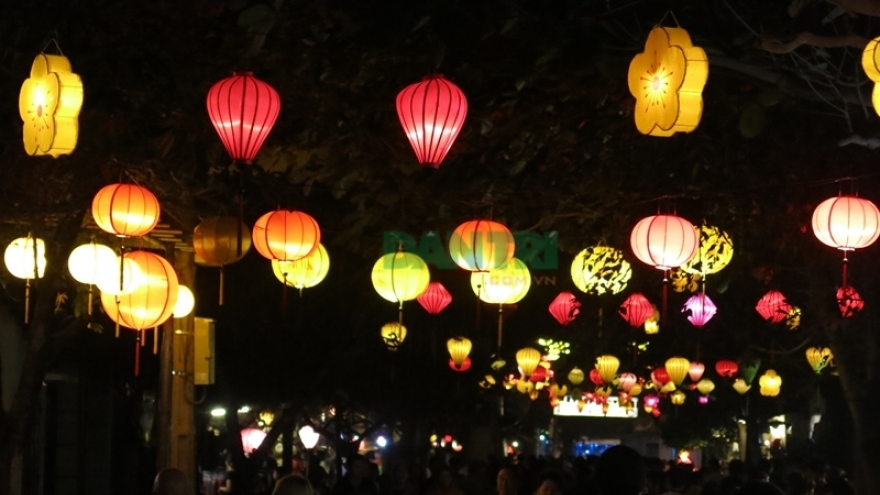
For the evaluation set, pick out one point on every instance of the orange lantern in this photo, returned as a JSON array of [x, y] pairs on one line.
[[481, 245], [220, 241], [286, 235], [126, 210]]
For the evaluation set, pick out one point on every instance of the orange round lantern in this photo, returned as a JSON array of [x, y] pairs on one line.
[[481, 245], [221, 241], [152, 302], [664, 241], [286, 235], [126, 210]]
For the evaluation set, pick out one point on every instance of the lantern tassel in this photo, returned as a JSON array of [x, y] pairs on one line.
[[400, 313], [155, 341], [27, 300], [845, 269], [137, 356], [117, 329], [221, 284], [665, 297], [143, 338], [91, 294], [500, 324]]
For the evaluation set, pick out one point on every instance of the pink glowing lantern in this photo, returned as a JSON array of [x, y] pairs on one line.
[[701, 308], [565, 308], [849, 301], [726, 368], [251, 439], [664, 241], [636, 309], [773, 307], [432, 113], [704, 399], [626, 381], [846, 222], [696, 371], [435, 298], [652, 400]]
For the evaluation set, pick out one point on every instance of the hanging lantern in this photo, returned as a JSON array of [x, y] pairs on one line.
[[600, 270], [635, 390], [25, 258], [564, 308], [607, 366], [186, 302], [695, 371], [660, 377], [636, 310], [576, 376], [677, 368], [681, 281], [220, 241], [305, 272], [527, 359], [481, 245], [524, 386], [701, 309], [286, 235], [109, 280], [652, 324], [88, 262], [652, 401], [464, 366], [748, 368], [557, 391], [251, 439], [677, 398], [664, 241], [726, 368], [846, 222], [152, 302], [705, 386], [505, 285], [459, 348], [393, 335], [715, 252], [703, 399], [596, 377], [773, 307], [400, 276], [871, 65], [626, 381], [432, 113], [308, 436], [793, 318], [49, 104], [126, 210], [667, 81], [435, 298], [539, 375], [819, 358], [741, 386], [243, 110], [770, 383], [849, 301]]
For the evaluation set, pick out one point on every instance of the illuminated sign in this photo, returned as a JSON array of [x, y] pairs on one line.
[[569, 407]]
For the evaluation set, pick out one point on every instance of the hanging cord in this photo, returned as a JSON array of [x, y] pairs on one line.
[[500, 325]]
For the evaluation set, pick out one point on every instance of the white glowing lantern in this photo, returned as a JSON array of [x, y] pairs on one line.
[[186, 301], [108, 279], [25, 258], [88, 261], [309, 437]]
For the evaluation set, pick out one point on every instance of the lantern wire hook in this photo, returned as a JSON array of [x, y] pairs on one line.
[[53, 40], [668, 13]]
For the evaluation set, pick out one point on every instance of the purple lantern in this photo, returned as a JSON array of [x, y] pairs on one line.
[[701, 308]]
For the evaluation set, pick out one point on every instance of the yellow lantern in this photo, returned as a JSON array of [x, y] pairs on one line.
[[652, 324], [559, 392], [667, 81], [871, 64], [481, 245], [607, 366], [393, 335], [305, 272], [186, 302], [580, 404], [49, 105], [459, 348], [770, 383], [600, 270], [715, 253], [534, 394], [400, 276], [527, 359], [220, 241], [524, 386], [793, 318], [819, 358], [25, 258], [576, 376], [505, 285], [677, 398], [677, 368], [604, 391], [741, 386], [681, 280], [705, 386], [668, 387], [636, 390]]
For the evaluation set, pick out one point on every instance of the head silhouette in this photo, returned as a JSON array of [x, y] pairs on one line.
[[621, 472]]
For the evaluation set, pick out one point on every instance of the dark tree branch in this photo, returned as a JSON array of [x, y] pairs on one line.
[[849, 41]]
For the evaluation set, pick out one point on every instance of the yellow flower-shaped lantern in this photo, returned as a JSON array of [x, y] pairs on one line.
[[667, 80], [49, 105], [871, 64]]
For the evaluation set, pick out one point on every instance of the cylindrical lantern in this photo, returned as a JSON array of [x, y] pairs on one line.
[[677, 368], [564, 308], [393, 335], [243, 110], [819, 358], [459, 348], [664, 241], [435, 298], [695, 372], [308, 436], [773, 307], [527, 359], [705, 386], [186, 301], [770, 383], [607, 366], [305, 272], [600, 270], [286, 235], [846, 222], [701, 309], [221, 241], [636, 309], [505, 285], [481, 245], [576, 376], [726, 368], [126, 210], [400, 276], [152, 302], [25, 258], [432, 113]]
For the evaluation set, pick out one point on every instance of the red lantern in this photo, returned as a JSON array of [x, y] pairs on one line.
[[846, 222], [660, 377], [564, 308], [726, 368], [596, 378], [286, 235], [538, 375], [432, 114], [243, 110], [435, 298], [696, 371], [664, 241], [126, 210], [773, 307], [636, 309], [465, 365], [701, 308], [849, 301]]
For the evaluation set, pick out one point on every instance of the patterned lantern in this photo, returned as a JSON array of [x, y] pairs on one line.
[[701, 309], [393, 335], [607, 366], [660, 377], [819, 358], [400, 276], [576, 376], [636, 309], [793, 318], [596, 377], [564, 308], [696, 370], [481, 245], [741, 386], [849, 301], [677, 398], [726, 368], [464, 366], [305, 272], [677, 368], [667, 80], [626, 381], [126, 210], [527, 359], [220, 241], [770, 383], [505, 285], [243, 110], [435, 298], [681, 281], [705, 386], [652, 324], [715, 253], [49, 105], [600, 270], [459, 348], [664, 241], [432, 114], [871, 65], [286, 235], [773, 307]]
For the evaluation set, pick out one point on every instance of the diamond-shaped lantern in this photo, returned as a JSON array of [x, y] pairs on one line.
[[701, 309], [773, 307], [565, 308], [636, 309]]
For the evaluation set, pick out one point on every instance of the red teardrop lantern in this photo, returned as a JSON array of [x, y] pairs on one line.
[[596, 378], [660, 377], [701, 308], [538, 375], [435, 298], [849, 301], [432, 114], [636, 309], [726, 368], [773, 307], [465, 365], [243, 110], [565, 308]]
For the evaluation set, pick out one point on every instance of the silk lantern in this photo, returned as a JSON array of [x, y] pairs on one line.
[[846, 223], [564, 308], [726, 368], [305, 272], [600, 270], [435, 298], [659, 377], [626, 382], [696, 370], [652, 324], [481, 245], [607, 366], [393, 335], [773, 307], [748, 368], [538, 375], [741, 386], [596, 377], [459, 348], [505, 285], [664, 241], [221, 241], [49, 104], [286, 235], [432, 113], [701, 309], [677, 368], [186, 302], [399, 277], [110, 281], [819, 358], [464, 366], [714, 253], [126, 210], [25, 258], [677, 398], [871, 65], [770, 383], [527, 359], [251, 439], [243, 110], [89, 262], [636, 309], [849, 301], [705, 386], [667, 80], [308, 436], [576, 376]]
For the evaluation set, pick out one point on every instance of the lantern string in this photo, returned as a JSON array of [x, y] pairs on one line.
[[845, 269], [221, 284], [500, 324], [53, 41], [400, 313], [137, 355], [665, 297]]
